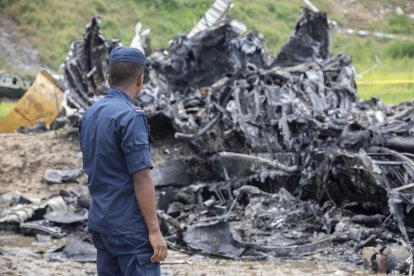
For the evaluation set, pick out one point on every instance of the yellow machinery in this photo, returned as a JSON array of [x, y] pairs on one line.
[[42, 101]]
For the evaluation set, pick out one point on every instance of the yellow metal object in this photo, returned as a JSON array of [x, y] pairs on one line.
[[42, 101]]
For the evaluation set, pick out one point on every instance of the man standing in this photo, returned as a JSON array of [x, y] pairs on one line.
[[113, 135]]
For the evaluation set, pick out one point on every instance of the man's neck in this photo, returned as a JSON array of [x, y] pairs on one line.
[[127, 90]]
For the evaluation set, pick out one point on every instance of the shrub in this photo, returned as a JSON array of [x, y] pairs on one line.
[[401, 49]]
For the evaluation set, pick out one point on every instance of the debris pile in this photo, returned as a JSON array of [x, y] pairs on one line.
[[286, 160], [59, 224], [287, 143]]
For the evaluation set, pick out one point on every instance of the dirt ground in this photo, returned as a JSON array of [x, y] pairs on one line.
[[197, 265], [23, 161], [25, 157]]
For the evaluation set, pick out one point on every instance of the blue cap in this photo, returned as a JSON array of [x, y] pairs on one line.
[[127, 54]]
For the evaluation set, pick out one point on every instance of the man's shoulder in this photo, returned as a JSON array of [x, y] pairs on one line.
[[118, 109], [135, 110], [128, 113]]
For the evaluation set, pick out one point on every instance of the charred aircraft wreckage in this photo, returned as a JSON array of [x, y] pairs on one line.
[[283, 158]]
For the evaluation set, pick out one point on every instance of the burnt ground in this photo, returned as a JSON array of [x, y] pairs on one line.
[[23, 161]]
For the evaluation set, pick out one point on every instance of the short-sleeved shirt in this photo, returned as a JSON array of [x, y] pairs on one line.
[[114, 139]]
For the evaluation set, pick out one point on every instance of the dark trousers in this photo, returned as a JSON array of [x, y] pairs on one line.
[[126, 255]]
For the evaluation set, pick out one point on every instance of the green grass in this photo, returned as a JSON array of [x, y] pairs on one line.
[[6, 106], [51, 25], [390, 93]]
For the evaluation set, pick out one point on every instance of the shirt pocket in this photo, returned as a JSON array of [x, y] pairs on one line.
[[135, 142], [140, 138]]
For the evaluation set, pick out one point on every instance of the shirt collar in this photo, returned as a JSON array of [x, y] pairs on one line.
[[118, 93]]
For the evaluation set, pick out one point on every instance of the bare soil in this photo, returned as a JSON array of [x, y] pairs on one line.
[[24, 159], [200, 266]]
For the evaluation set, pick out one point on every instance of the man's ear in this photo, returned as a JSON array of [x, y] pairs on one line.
[[109, 77], [141, 80]]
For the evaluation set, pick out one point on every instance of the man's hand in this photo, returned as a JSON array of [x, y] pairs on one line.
[[145, 194], [159, 245]]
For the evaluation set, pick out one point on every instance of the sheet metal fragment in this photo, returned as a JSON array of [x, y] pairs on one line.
[[64, 217], [217, 239]]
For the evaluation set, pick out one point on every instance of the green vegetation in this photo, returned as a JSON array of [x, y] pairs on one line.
[[388, 93], [392, 85], [51, 25]]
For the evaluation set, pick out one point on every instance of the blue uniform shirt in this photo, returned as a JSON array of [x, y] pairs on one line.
[[113, 135]]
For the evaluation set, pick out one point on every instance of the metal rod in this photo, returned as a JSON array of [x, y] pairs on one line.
[[178, 135], [408, 186], [271, 163]]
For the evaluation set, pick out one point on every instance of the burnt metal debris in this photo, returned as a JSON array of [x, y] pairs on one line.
[[292, 149], [284, 158], [86, 67], [53, 176], [59, 224]]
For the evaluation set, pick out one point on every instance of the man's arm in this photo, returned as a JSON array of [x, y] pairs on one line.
[[145, 194]]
